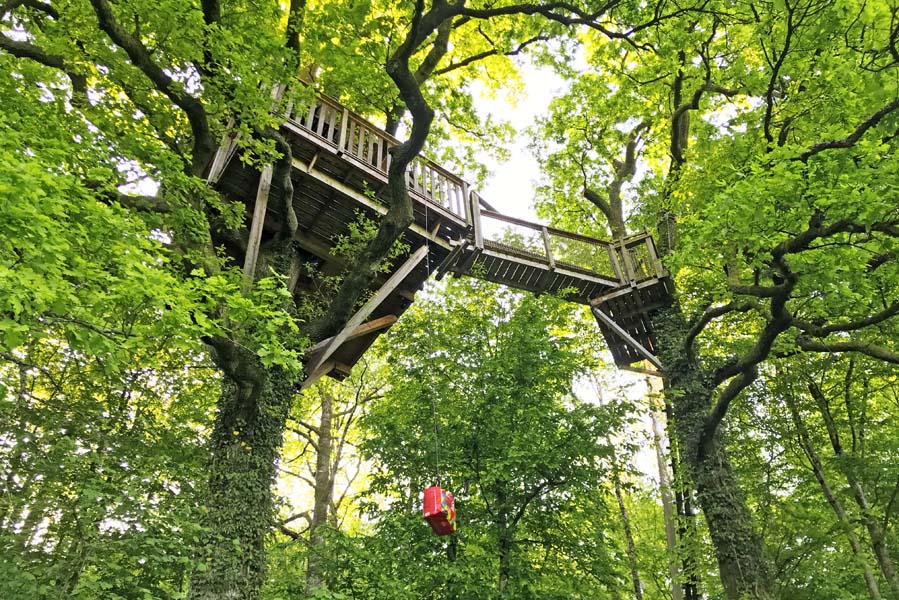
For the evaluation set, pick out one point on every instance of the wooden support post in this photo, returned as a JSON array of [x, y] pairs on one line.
[[357, 319], [249, 265], [223, 155], [366, 328], [475, 202], [312, 162], [616, 265], [549, 249], [624, 335], [320, 371], [450, 259]]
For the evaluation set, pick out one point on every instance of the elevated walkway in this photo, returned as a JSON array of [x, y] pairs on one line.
[[340, 165]]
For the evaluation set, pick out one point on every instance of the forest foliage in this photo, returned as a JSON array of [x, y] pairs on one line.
[[153, 439]]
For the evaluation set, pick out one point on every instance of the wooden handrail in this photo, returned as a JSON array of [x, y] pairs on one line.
[[365, 142]]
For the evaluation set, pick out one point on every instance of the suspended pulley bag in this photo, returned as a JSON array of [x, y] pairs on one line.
[[440, 510]]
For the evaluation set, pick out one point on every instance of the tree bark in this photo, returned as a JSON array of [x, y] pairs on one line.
[[323, 493], [689, 389], [244, 447], [668, 513], [834, 502]]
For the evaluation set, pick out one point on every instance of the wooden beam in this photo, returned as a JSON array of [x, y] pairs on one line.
[[549, 248], [364, 329], [357, 319], [641, 370], [222, 157], [366, 201], [624, 335], [478, 230], [450, 259], [249, 265], [320, 371]]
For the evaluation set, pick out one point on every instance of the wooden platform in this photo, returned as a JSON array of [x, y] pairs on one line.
[[340, 168]]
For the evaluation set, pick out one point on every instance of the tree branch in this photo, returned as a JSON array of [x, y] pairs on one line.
[[203, 143], [488, 53], [852, 138], [868, 349], [709, 315], [823, 331], [39, 55]]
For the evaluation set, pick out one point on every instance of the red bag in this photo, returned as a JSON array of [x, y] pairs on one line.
[[440, 510]]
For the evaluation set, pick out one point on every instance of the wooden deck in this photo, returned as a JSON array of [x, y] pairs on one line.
[[340, 168]]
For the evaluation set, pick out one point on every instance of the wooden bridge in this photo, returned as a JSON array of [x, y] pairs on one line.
[[340, 165]]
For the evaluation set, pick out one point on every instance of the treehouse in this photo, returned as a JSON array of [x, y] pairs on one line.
[[340, 164]]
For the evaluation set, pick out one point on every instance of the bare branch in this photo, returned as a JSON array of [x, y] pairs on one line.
[[488, 53], [709, 315]]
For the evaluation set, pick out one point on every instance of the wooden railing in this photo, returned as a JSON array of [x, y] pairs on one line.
[[360, 141], [627, 261]]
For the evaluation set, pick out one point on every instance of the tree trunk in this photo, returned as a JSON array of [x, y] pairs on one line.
[[323, 493], [505, 548], [872, 523], [677, 592], [738, 548], [628, 535], [834, 502], [244, 447]]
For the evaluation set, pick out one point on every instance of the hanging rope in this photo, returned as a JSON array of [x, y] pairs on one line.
[[434, 416]]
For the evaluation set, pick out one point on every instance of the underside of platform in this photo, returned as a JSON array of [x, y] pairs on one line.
[[340, 164]]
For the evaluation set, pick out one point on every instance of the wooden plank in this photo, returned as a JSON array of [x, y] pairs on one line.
[[319, 372], [364, 329], [262, 192], [549, 249], [635, 345], [389, 286], [450, 259]]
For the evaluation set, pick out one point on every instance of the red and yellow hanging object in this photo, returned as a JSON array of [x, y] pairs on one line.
[[440, 510]]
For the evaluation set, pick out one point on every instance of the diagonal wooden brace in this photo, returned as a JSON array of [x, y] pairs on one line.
[[314, 370], [620, 332]]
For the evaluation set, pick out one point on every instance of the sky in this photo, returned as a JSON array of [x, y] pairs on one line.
[[511, 186]]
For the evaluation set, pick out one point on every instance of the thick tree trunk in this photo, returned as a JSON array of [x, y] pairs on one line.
[[738, 548], [244, 447], [323, 493]]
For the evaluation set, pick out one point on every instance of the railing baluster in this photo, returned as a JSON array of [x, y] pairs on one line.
[[360, 141], [332, 125], [322, 118], [547, 244], [341, 141], [435, 185]]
